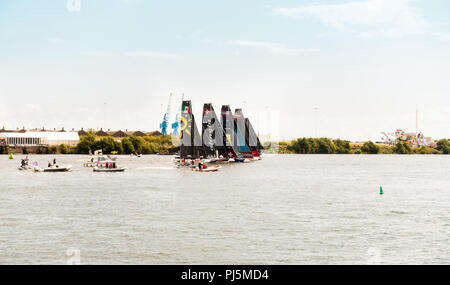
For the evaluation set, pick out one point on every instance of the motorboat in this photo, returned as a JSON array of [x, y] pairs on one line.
[[110, 166], [101, 159], [54, 168], [119, 169], [208, 169]]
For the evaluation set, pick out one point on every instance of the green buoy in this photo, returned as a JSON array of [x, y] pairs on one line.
[[381, 190], [11, 156]]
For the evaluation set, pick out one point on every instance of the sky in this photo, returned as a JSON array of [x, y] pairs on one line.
[[346, 69]]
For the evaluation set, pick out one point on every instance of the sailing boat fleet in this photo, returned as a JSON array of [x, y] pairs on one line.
[[230, 139]]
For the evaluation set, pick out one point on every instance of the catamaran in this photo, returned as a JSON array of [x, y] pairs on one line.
[[213, 136], [251, 139]]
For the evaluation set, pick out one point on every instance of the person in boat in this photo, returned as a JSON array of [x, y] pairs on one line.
[[22, 163], [49, 164], [54, 161]]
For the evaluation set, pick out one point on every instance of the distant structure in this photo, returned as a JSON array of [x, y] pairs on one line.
[[177, 123], [413, 139], [26, 138], [416, 139], [165, 124]]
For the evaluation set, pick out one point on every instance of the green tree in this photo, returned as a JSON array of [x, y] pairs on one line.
[[86, 143], [444, 146], [342, 146], [64, 149], [402, 148], [137, 142], [127, 146], [370, 147], [326, 146]]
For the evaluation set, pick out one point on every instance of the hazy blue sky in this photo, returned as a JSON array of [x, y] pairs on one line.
[[364, 64]]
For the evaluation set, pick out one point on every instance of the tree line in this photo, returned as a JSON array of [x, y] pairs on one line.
[[132, 144], [338, 146]]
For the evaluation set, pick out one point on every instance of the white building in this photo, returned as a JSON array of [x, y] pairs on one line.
[[39, 138]]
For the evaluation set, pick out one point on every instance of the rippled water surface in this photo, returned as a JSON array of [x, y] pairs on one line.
[[286, 209]]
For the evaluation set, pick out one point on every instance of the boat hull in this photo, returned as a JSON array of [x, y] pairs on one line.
[[209, 169], [96, 169], [58, 169]]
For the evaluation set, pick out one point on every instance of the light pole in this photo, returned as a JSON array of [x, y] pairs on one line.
[[316, 119]]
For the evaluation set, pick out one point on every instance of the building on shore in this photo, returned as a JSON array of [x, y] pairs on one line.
[[413, 139], [38, 138]]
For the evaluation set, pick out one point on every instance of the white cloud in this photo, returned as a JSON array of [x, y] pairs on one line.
[[273, 48], [154, 54], [99, 53], [389, 18]]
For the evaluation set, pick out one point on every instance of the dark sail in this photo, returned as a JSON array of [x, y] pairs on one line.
[[227, 121], [240, 130], [212, 133], [191, 143], [252, 139]]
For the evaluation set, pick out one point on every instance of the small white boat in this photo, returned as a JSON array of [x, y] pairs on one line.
[[54, 168], [110, 166], [135, 155], [208, 169], [25, 167], [99, 160]]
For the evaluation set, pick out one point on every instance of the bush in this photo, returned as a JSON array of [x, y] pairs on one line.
[[402, 148], [342, 147], [326, 146], [370, 147], [425, 150], [64, 149], [52, 150], [4, 149], [444, 146], [127, 146]]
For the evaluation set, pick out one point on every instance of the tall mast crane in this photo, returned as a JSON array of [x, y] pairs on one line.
[[165, 122]]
